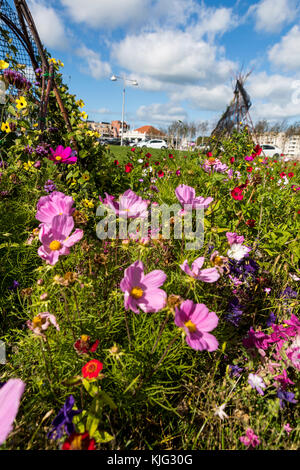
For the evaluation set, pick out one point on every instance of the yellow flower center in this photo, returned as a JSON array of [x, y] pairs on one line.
[[218, 261], [37, 322], [84, 338], [136, 292], [55, 245], [76, 443], [58, 158], [212, 160], [190, 326]]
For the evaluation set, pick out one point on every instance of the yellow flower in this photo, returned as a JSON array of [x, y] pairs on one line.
[[3, 65], [21, 102], [35, 124], [52, 61], [88, 203], [90, 133], [5, 127], [83, 115], [60, 63], [28, 166], [80, 103]]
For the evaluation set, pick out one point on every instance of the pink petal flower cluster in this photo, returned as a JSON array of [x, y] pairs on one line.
[[196, 320], [257, 339], [130, 205], [250, 439], [233, 237], [41, 323], [62, 155], [283, 380], [205, 275], [56, 239], [142, 290], [56, 203], [214, 165], [10, 396], [293, 353], [187, 195]]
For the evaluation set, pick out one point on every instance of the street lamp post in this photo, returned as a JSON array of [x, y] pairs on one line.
[[114, 78]]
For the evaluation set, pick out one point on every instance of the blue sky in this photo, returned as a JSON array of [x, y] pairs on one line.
[[183, 53]]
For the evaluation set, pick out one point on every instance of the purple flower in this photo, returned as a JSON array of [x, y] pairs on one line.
[[15, 285], [62, 423], [283, 396], [256, 339], [196, 320], [289, 293], [257, 383], [143, 290], [272, 319], [250, 439], [235, 371], [49, 186], [235, 311]]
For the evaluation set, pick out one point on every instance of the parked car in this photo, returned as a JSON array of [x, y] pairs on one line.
[[271, 150], [153, 143]]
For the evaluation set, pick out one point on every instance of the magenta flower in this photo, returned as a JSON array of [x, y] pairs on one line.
[[130, 205], [250, 439], [56, 239], [106, 199], [186, 195], [205, 275], [257, 339], [62, 155], [143, 290], [284, 380], [10, 396], [293, 353], [56, 203], [196, 320], [249, 158]]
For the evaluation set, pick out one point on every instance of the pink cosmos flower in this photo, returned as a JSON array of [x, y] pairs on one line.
[[287, 428], [62, 155], [205, 275], [130, 205], [215, 165], [10, 396], [56, 203], [257, 339], [250, 439], [186, 195], [143, 290], [56, 239], [196, 320], [41, 323], [249, 159], [293, 353], [233, 237]]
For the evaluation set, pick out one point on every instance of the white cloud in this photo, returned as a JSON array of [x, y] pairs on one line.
[[158, 112], [207, 98], [95, 66], [50, 27], [272, 15], [174, 57], [286, 52], [106, 13]]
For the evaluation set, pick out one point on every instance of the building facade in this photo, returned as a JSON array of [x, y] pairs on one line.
[[289, 145]]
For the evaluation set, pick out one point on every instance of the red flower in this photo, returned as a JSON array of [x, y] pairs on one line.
[[116, 162], [146, 165], [249, 169], [271, 177], [83, 345], [171, 156], [232, 160], [258, 149], [290, 175], [133, 149], [282, 174], [275, 161], [237, 194], [295, 164], [250, 222], [209, 154], [160, 174], [156, 163], [282, 154], [79, 442], [148, 155], [92, 369], [128, 167]]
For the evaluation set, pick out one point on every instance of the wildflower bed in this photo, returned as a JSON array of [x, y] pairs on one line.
[[143, 344]]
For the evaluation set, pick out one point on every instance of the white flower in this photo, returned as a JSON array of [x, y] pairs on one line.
[[140, 160], [219, 411], [238, 251]]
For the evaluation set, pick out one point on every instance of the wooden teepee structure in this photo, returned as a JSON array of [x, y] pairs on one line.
[[18, 34]]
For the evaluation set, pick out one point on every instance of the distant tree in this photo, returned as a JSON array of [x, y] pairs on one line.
[[293, 129], [279, 126], [261, 127]]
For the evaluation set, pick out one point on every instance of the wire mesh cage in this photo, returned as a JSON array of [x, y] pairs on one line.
[[17, 46]]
